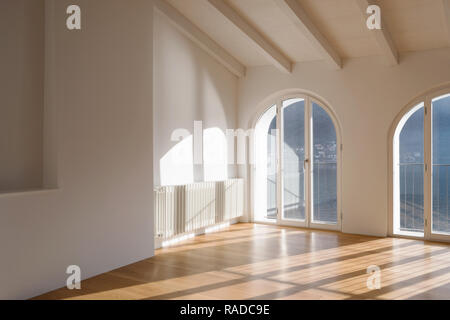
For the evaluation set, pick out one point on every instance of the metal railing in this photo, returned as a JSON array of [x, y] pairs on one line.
[[411, 196], [441, 205], [325, 195], [271, 198], [325, 191]]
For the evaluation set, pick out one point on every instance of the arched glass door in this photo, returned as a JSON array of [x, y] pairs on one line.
[[409, 173], [297, 171], [440, 215], [421, 172]]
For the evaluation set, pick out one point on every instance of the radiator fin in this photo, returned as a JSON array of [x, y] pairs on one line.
[[188, 208]]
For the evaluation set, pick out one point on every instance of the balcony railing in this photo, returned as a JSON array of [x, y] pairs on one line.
[[325, 194], [412, 198], [325, 191], [441, 201]]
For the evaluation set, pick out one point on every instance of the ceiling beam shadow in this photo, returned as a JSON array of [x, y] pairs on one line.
[[299, 17], [382, 36], [276, 57], [446, 16], [200, 38]]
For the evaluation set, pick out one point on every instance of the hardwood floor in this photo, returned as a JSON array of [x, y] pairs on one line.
[[248, 261]]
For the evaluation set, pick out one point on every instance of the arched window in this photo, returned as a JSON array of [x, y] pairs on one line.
[[297, 169], [421, 169]]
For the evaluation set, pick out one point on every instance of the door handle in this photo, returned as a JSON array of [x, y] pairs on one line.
[[305, 162]]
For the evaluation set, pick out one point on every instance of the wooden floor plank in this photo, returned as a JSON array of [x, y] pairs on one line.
[[250, 261]]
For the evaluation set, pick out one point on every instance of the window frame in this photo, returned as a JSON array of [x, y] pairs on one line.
[[309, 98], [426, 99]]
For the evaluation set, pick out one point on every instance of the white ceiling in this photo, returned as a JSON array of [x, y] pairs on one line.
[[414, 25]]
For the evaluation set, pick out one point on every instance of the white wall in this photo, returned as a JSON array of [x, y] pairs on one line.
[[21, 94], [100, 218], [366, 95], [189, 86]]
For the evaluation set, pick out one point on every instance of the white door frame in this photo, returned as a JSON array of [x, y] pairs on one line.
[[309, 100], [428, 234]]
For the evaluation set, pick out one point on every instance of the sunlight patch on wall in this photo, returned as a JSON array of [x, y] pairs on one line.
[[215, 155], [177, 165]]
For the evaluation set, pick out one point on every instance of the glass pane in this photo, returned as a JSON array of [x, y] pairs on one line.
[[272, 170], [441, 164], [266, 170], [293, 159], [324, 167], [411, 172]]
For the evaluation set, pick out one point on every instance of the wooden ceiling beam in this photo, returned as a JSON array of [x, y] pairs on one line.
[[276, 57], [200, 38], [301, 20], [382, 36]]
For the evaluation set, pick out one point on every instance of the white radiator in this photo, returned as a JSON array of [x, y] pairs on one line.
[[189, 208]]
